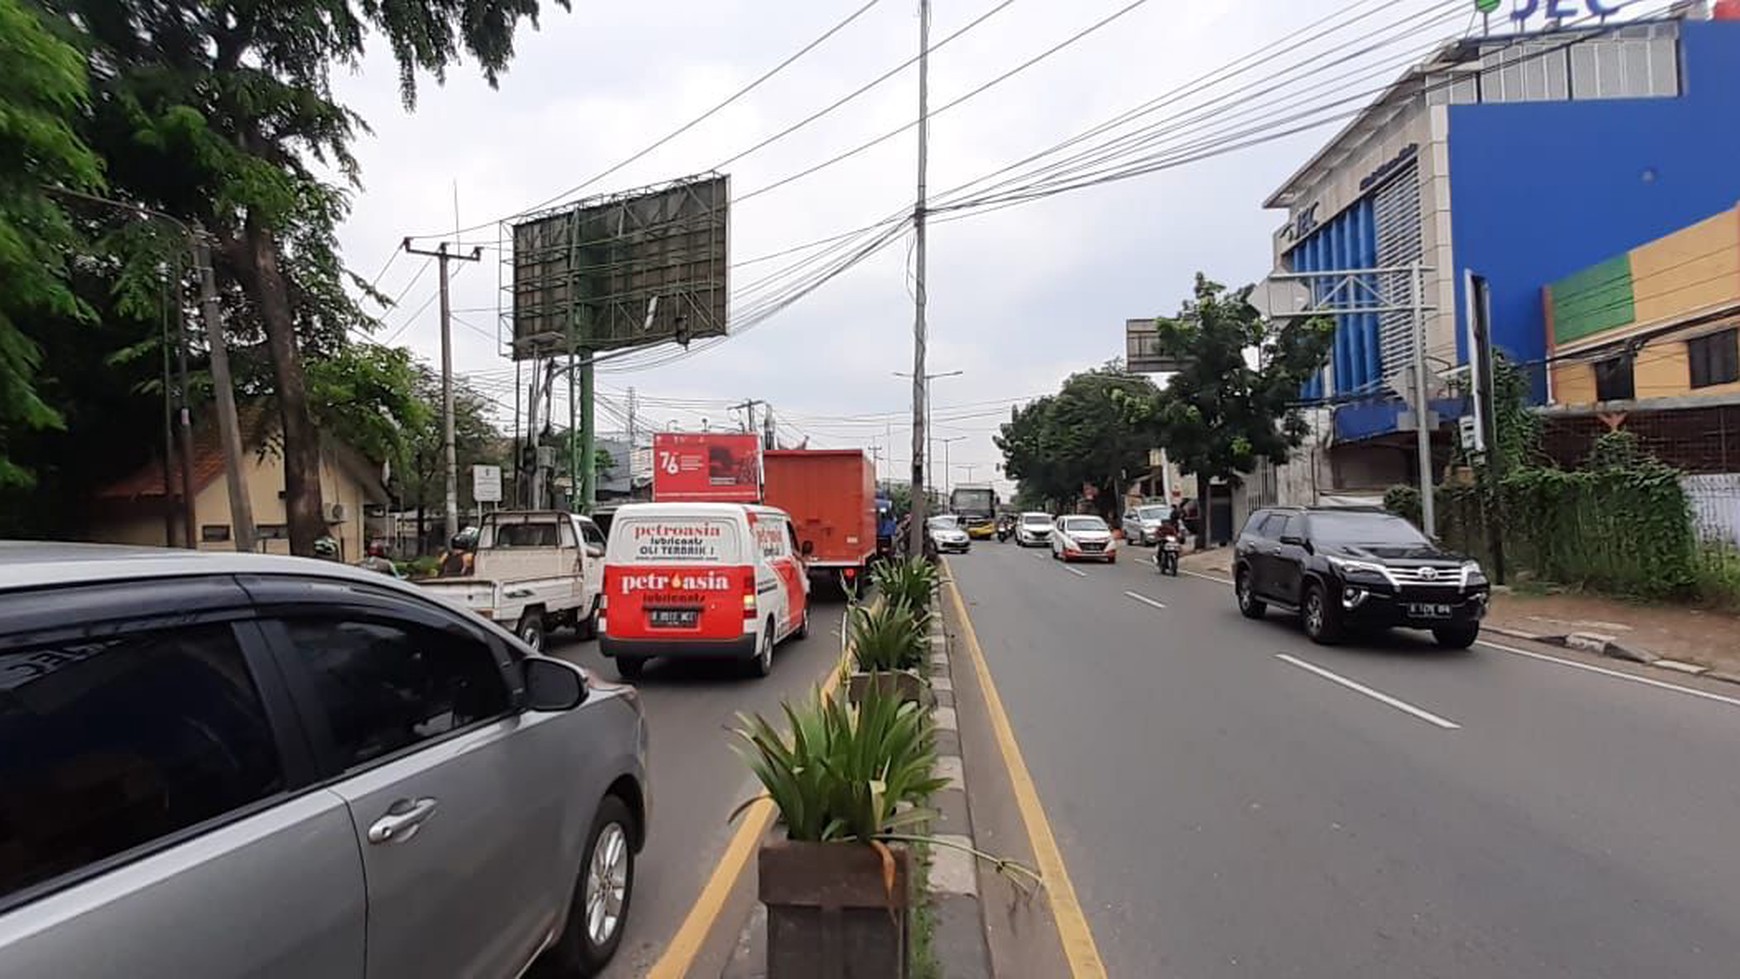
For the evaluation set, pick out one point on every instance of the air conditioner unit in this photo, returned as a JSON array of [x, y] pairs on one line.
[[335, 513]]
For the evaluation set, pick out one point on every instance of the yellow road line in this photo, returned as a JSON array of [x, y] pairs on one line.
[[685, 945], [1072, 926]]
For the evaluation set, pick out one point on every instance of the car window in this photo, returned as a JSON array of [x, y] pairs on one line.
[[772, 536], [592, 534], [1077, 525], [636, 539], [1293, 525], [1159, 513], [1364, 528], [1035, 519], [113, 743], [388, 685]]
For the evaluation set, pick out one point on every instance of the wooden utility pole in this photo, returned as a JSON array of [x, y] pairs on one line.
[[224, 391], [920, 383], [450, 454]]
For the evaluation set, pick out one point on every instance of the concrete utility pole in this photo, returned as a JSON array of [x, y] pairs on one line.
[[946, 470], [1422, 408], [450, 461], [229, 429], [920, 384], [184, 420]]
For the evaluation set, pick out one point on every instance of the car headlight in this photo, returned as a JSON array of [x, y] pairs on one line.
[[1353, 566], [1472, 574]]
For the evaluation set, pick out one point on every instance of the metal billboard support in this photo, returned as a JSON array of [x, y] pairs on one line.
[[1388, 289]]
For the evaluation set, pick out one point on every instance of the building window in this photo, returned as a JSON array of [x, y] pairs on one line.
[[272, 531], [1613, 379], [1714, 359], [214, 533]]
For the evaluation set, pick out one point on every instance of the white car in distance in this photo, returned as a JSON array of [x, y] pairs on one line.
[[948, 534], [1033, 529], [1083, 537]]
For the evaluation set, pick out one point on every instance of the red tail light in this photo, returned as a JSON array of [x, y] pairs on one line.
[[851, 573], [749, 595]]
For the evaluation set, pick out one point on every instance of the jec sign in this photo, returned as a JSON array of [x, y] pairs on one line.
[[1567, 9]]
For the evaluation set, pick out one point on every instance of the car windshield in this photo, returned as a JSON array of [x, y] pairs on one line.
[[944, 523], [1364, 528], [1078, 525], [1155, 513], [1035, 519]]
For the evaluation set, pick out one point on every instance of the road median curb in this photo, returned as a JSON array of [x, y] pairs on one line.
[[1613, 648]]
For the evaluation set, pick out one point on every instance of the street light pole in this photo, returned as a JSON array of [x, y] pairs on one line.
[[925, 466], [920, 381]]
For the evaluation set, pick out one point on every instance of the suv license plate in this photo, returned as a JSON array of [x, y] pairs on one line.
[[673, 618], [1428, 610]]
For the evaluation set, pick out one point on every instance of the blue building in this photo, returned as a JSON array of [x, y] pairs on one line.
[[1522, 158]]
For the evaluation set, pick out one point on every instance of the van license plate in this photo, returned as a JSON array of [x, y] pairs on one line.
[[1425, 610], [673, 618]]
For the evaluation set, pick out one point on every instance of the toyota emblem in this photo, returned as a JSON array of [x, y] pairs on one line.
[[1428, 574]]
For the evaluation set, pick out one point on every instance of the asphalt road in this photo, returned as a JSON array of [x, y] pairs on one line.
[[696, 778], [1225, 811]]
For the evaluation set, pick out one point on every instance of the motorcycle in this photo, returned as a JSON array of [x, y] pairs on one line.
[[1166, 555], [1005, 530]]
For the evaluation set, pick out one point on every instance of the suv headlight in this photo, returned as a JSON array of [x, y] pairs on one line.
[[1352, 566], [1472, 574]]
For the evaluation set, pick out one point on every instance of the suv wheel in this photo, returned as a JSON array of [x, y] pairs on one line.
[[1458, 636], [601, 896], [1322, 620], [1249, 605]]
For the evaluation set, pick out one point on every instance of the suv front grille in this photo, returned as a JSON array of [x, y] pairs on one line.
[[1427, 576]]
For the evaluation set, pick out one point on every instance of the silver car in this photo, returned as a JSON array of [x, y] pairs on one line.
[[1142, 524], [949, 535], [238, 765]]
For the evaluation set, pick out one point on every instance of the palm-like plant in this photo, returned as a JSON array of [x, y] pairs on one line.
[[910, 583], [885, 638], [843, 772]]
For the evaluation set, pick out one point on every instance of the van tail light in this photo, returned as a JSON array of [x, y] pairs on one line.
[[749, 596]]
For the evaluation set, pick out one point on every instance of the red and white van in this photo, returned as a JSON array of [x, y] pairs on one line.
[[701, 580]]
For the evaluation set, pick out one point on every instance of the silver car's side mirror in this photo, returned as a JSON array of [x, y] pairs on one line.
[[552, 685]]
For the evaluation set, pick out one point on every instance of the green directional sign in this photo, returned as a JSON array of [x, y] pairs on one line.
[[1486, 6]]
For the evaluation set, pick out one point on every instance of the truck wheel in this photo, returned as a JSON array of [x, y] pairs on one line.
[[803, 629], [628, 668], [587, 628], [531, 629]]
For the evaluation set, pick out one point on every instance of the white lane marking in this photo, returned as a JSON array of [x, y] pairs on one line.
[[1145, 600], [1378, 695], [1616, 674], [1075, 571], [1207, 577]]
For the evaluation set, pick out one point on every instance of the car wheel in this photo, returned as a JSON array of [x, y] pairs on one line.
[[762, 664], [1459, 636], [1250, 606], [1321, 621], [531, 630], [602, 894], [629, 668]]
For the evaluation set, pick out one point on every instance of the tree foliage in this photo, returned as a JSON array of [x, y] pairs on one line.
[[422, 481], [1098, 427], [42, 94], [1221, 414]]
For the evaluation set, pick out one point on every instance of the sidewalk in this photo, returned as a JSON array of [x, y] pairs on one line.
[[1614, 627]]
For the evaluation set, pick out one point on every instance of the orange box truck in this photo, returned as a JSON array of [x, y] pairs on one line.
[[831, 497]]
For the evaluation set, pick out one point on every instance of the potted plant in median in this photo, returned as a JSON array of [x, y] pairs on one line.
[[911, 582], [888, 646], [845, 781]]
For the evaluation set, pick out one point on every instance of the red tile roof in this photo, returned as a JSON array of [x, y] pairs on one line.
[[257, 424]]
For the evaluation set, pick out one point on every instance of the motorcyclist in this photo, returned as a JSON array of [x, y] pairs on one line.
[[377, 559], [458, 559]]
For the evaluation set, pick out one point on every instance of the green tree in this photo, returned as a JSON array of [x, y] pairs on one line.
[[1088, 434], [219, 111], [1222, 413], [42, 95], [422, 481]]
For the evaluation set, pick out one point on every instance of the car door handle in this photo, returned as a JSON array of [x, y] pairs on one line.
[[402, 821]]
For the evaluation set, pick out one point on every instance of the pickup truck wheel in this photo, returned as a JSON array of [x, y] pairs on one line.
[[587, 628], [531, 630], [599, 907]]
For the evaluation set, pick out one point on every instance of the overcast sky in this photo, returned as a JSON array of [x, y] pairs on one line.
[[1019, 298]]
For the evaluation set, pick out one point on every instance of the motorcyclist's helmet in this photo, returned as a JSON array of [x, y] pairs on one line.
[[377, 549], [327, 548]]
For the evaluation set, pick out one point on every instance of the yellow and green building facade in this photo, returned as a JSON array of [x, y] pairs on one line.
[[1661, 321]]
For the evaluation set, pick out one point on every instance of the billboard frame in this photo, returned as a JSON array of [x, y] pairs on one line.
[[1141, 349], [628, 269]]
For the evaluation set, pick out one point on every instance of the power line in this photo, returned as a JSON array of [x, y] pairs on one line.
[[685, 127]]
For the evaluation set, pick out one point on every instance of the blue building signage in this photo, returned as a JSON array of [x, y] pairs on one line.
[[1567, 9]]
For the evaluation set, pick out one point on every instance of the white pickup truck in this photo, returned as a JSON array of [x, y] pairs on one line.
[[535, 570]]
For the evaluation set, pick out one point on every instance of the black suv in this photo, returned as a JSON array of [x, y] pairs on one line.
[[1339, 568]]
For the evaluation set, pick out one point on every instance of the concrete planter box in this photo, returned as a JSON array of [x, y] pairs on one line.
[[829, 915], [909, 687]]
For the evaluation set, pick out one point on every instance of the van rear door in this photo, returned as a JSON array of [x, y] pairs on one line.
[[674, 577]]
